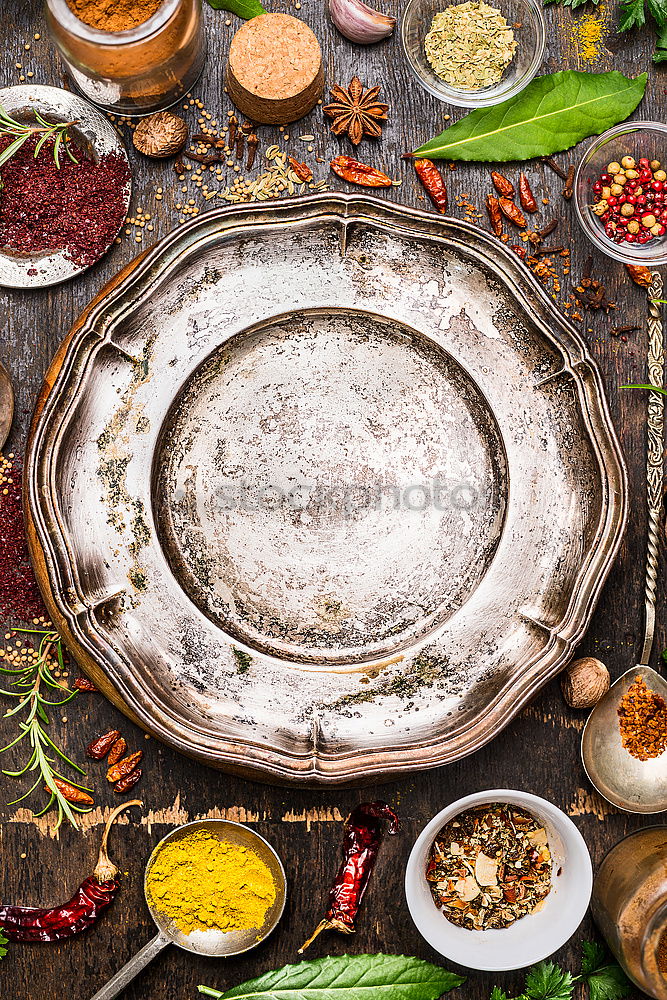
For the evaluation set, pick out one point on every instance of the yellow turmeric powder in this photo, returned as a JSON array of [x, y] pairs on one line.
[[588, 31], [200, 882]]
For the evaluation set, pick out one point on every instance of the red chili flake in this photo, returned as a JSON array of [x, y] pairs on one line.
[[20, 600], [77, 209]]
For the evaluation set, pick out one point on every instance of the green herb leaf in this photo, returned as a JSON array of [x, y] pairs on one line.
[[348, 977], [496, 992], [246, 9], [632, 15], [593, 956], [553, 113], [3, 941], [571, 3], [547, 981], [660, 54], [605, 979]]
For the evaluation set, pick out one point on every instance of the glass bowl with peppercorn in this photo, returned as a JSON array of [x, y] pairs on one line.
[[473, 54], [498, 880], [621, 193]]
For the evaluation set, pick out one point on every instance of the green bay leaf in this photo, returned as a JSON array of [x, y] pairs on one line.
[[242, 8], [348, 977], [553, 113]]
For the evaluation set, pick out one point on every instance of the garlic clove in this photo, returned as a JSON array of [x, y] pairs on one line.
[[359, 22]]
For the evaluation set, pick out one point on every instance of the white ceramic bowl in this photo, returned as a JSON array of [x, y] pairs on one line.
[[536, 935]]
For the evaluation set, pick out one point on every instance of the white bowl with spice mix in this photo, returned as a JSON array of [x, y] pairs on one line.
[[473, 54], [512, 877]]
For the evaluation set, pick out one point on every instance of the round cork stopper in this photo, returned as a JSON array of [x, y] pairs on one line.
[[274, 72]]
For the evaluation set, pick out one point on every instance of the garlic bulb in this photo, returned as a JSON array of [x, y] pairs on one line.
[[359, 22]]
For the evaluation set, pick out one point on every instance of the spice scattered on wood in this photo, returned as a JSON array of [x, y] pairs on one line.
[[100, 746], [76, 209], [490, 866], [555, 167], [128, 782], [495, 215], [73, 793], [362, 837], [592, 294], [434, 185], [359, 173], [253, 143], [302, 170], [116, 752], [584, 682], [470, 45], [160, 135], [512, 212], [621, 331], [568, 190], [640, 274], [83, 684], [642, 716], [240, 146], [124, 767], [355, 112], [92, 898], [502, 185], [199, 882], [526, 196]]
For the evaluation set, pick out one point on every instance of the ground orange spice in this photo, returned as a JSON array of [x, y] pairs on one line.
[[662, 953], [113, 15], [642, 718]]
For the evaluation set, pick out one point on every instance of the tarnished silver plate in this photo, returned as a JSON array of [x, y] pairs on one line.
[[324, 488]]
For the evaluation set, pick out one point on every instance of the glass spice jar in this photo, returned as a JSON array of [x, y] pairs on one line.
[[629, 905], [137, 71]]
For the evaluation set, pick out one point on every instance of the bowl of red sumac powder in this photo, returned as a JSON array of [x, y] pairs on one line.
[[59, 214]]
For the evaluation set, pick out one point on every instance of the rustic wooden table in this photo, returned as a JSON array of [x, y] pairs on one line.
[[538, 752]]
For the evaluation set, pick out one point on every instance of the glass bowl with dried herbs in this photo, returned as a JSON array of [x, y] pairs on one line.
[[620, 193], [473, 54], [498, 880]]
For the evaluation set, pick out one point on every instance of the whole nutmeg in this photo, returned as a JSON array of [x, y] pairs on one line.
[[584, 682], [160, 135]]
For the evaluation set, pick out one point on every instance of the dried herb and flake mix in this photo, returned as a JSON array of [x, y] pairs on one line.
[[489, 866], [470, 45]]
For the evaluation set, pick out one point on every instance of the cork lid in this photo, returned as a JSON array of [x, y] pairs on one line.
[[275, 56]]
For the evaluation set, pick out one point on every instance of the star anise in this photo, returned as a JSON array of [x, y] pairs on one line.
[[355, 112]]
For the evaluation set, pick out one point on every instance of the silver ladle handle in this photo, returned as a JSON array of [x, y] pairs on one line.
[[125, 975], [654, 460]]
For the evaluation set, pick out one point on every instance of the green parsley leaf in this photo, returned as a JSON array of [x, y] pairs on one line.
[[547, 981], [3, 940], [571, 3], [663, 36], [593, 956], [605, 979], [632, 15], [498, 994]]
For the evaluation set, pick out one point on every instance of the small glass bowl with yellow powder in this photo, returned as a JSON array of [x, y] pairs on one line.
[[215, 887], [473, 53]]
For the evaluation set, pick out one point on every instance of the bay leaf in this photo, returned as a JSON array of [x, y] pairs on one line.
[[242, 8], [553, 113], [348, 977]]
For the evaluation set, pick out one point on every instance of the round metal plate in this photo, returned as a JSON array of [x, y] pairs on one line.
[[96, 135], [324, 489]]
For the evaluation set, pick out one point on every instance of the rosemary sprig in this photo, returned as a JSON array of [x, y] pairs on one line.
[[29, 686], [58, 131]]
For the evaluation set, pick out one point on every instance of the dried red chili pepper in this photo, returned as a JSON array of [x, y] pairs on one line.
[[640, 274], [117, 751], [519, 250], [512, 212], [72, 793], [362, 837], [502, 185], [124, 767], [359, 173], [83, 684], [432, 180], [125, 784], [302, 170], [101, 745], [493, 208], [94, 895], [526, 196]]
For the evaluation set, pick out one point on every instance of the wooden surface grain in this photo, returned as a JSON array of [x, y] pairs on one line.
[[539, 752]]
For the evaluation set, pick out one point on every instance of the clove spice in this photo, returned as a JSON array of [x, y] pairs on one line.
[[568, 190], [554, 166]]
